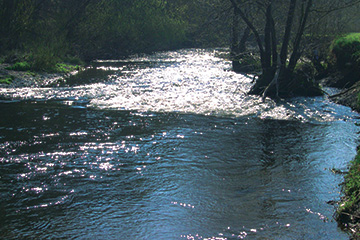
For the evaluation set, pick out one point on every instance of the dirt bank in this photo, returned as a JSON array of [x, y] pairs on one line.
[[349, 93]]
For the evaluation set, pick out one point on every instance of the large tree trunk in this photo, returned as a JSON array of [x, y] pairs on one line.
[[234, 49], [238, 53], [288, 28], [253, 29], [270, 57], [296, 51], [277, 78]]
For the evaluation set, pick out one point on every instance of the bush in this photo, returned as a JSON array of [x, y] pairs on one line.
[[65, 68], [20, 66], [346, 51], [6, 79], [44, 59], [247, 62], [47, 63]]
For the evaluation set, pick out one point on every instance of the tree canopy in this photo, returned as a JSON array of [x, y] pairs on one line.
[[91, 28], [109, 28]]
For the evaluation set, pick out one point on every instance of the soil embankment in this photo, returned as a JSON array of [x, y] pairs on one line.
[[349, 95]]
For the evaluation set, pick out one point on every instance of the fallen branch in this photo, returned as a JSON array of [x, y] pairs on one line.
[[350, 215], [343, 92], [274, 81]]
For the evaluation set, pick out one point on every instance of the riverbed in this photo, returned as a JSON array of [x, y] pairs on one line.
[[169, 146]]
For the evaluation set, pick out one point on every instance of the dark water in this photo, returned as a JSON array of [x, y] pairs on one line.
[[76, 167]]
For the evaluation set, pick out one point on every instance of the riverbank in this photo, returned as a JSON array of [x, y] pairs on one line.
[[349, 97], [14, 79], [348, 212], [349, 94]]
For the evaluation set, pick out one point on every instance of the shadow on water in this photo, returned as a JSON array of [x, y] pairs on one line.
[[89, 75], [105, 71]]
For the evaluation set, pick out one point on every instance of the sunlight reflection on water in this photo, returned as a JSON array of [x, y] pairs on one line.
[[186, 81]]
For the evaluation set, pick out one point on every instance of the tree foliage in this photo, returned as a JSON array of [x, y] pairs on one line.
[[89, 28]]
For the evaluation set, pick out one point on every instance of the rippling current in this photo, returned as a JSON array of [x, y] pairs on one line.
[[169, 146]]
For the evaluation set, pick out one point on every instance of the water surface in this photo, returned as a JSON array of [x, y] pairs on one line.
[[169, 146]]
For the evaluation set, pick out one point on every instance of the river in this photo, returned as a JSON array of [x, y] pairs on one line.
[[169, 146]]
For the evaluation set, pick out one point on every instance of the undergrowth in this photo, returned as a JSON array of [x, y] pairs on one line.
[[50, 67], [6, 80], [352, 185]]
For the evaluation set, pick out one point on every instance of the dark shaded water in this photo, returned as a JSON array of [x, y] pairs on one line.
[[78, 168]]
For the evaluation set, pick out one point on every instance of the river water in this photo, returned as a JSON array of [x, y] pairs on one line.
[[169, 146]]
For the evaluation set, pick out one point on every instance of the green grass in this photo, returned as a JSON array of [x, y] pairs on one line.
[[66, 68], [20, 66], [352, 182], [351, 187], [53, 68], [6, 80], [350, 203]]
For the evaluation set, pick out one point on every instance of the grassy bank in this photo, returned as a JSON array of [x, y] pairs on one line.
[[348, 213], [346, 50], [346, 53], [345, 58], [17, 66]]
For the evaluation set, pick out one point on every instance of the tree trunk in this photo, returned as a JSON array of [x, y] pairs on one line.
[[268, 67], [288, 28], [296, 51], [238, 47], [234, 49], [238, 52], [253, 29]]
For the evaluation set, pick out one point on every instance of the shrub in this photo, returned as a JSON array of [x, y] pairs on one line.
[[346, 51], [65, 68], [20, 66], [6, 79], [247, 62], [44, 59]]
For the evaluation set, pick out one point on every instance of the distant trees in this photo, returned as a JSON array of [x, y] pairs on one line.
[[46, 31], [89, 28], [125, 27], [279, 27], [50, 30]]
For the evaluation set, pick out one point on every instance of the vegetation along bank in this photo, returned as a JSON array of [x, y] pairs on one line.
[[347, 58]]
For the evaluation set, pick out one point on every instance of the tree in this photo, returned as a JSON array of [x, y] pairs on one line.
[[280, 44], [238, 45]]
